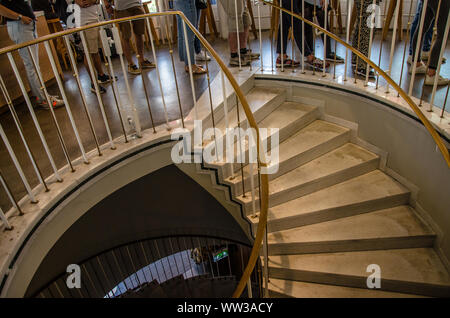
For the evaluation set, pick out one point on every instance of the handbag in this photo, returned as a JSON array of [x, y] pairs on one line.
[[201, 4]]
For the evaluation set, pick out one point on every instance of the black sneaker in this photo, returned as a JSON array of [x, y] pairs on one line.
[[332, 57], [104, 79], [100, 88]]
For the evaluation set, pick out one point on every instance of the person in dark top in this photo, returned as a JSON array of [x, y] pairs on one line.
[[46, 6], [22, 28]]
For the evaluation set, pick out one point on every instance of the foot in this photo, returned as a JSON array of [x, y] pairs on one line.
[[317, 63], [420, 69], [133, 69], [147, 64], [429, 80], [196, 69], [332, 57], [101, 89], [252, 56], [234, 61], [55, 101], [201, 56], [287, 62], [104, 79], [424, 57]]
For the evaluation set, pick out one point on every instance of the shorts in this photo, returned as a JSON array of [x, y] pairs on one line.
[[93, 40], [125, 27], [243, 15]]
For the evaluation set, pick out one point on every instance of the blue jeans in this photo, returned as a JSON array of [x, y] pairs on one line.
[[19, 33], [428, 35], [197, 44], [190, 11]]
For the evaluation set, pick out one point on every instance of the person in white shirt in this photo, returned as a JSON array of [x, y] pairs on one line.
[[87, 13]]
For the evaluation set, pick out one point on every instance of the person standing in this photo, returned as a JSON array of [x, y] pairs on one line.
[[21, 24], [87, 13], [238, 30], [124, 9]]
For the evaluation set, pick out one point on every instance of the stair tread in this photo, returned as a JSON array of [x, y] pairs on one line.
[[256, 98], [313, 135], [370, 186], [340, 159], [393, 222], [418, 265], [313, 290]]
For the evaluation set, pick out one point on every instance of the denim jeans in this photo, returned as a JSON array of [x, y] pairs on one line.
[[190, 11], [19, 33], [428, 35], [197, 43]]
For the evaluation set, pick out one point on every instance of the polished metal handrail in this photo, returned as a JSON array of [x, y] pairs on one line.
[[437, 139]]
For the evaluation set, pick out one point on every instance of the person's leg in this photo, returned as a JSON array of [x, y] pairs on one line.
[[428, 22], [285, 22], [197, 44], [361, 36], [415, 25], [298, 31], [19, 33], [441, 25]]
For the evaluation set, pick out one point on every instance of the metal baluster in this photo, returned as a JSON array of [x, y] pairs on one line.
[[211, 105], [335, 18], [10, 195], [154, 259], [428, 62], [17, 165], [292, 34], [394, 37], [113, 276], [260, 37], [369, 54], [132, 265], [190, 70], [408, 31], [5, 220], [359, 35], [381, 46], [167, 257], [229, 262], [64, 97], [252, 186], [122, 276], [419, 42], [180, 251], [22, 135], [173, 253], [217, 264], [271, 41], [225, 110], [441, 55], [97, 90], [160, 259], [347, 38], [281, 37], [147, 262], [110, 71], [201, 253], [119, 51], [303, 37], [103, 291], [266, 262], [237, 35], [325, 39], [314, 38], [33, 116], [174, 72], [241, 153], [144, 84], [104, 274], [158, 74], [73, 63], [445, 101], [90, 280]]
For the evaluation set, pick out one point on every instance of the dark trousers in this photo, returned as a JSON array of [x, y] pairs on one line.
[[430, 15], [297, 28]]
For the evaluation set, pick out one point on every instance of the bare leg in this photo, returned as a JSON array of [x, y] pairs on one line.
[[140, 47], [127, 51], [97, 64]]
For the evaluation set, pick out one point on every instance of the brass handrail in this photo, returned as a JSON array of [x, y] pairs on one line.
[[264, 196], [401, 92]]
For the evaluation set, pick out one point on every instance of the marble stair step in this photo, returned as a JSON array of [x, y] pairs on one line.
[[288, 118], [369, 192], [396, 227], [412, 271], [310, 142], [280, 288], [343, 163]]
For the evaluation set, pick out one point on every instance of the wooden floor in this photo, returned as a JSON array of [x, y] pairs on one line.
[[164, 60]]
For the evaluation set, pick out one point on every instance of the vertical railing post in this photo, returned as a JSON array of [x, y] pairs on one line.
[[394, 38], [5, 221], [369, 54], [325, 38], [347, 37], [10, 195], [33, 116], [237, 35], [260, 36]]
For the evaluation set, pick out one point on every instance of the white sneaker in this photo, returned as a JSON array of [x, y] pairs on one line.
[[421, 69], [201, 56], [429, 80]]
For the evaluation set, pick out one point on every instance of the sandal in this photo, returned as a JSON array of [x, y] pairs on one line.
[[287, 62], [197, 70]]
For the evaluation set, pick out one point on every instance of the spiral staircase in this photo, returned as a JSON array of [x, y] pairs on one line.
[[333, 211]]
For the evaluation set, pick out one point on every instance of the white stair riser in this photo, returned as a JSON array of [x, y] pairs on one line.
[[351, 245], [359, 282]]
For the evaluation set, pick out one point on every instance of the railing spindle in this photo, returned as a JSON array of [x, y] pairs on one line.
[[5, 221], [369, 54], [10, 194], [394, 38], [408, 31]]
